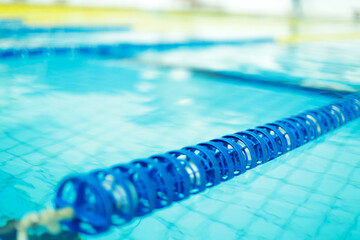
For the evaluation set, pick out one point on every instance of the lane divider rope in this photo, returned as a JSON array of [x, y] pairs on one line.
[[121, 49], [114, 196]]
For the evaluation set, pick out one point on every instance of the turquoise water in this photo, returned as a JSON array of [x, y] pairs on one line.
[[324, 65], [66, 114]]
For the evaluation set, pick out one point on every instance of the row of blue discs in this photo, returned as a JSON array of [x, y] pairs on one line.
[[114, 196], [21, 29], [121, 49]]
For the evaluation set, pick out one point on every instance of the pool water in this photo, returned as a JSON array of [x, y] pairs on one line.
[[63, 114], [323, 65]]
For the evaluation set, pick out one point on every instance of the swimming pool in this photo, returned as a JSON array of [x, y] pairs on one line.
[[69, 113]]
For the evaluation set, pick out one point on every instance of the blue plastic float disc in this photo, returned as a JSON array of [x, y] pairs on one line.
[[260, 146], [278, 137], [211, 166], [355, 103], [302, 128], [194, 168], [336, 115], [223, 158], [329, 122], [313, 124], [333, 117], [164, 191], [269, 140], [178, 173], [121, 196], [295, 131], [322, 121], [144, 186], [289, 135], [247, 149], [90, 202], [129, 205], [310, 126], [346, 110], [350, 108], [342, 115], [235, 151]]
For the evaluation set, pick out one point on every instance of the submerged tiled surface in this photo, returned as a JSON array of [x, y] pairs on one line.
[[61, 115]]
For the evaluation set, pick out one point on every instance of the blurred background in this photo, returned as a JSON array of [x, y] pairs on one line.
[[347, 9]]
